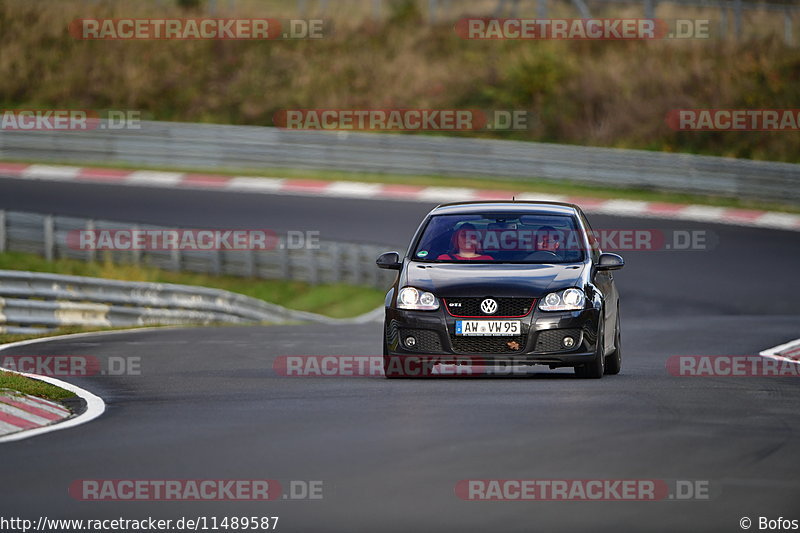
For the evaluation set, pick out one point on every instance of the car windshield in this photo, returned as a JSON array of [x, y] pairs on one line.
[[500, 238]]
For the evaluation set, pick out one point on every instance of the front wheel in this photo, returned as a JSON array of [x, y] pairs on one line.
[[614, 361], [596, 368]]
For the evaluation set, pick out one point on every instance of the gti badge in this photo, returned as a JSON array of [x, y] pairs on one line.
[[489, 306]]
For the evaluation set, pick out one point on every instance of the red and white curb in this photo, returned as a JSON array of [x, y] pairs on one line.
[[21, 411], [380, 191], [95, 406], [789, 352]]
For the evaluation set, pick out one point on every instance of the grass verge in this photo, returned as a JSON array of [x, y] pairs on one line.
[[6, 338], [334, 300], [34, 387]]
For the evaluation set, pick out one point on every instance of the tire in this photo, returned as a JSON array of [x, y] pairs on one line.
[[388, 361], [596, 368], [614, 360]]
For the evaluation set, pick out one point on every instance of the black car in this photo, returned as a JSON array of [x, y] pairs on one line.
[[501, 284]]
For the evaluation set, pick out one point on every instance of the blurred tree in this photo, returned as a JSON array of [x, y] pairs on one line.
[[404, 12], [189, 4]]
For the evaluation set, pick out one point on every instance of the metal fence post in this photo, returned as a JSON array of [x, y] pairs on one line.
[[432, 7], [357, 265], [336, 262], [216, 262], [372, 268], [787, 28], [250, 263], [136, 253], [649, 9], [737, 11], [91, 253], [285, 262], [49, 241], [176, 259], [541, 9], [3, 230], [376, 9], [313, 266]]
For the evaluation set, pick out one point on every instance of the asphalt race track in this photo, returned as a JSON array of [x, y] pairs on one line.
[[208, 404]]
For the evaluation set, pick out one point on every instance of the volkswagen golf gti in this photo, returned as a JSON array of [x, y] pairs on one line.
[[501, 284]]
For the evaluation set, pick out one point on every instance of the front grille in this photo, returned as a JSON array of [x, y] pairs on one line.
[[550, 340], [427, 340], [506, 307], [478, 345]]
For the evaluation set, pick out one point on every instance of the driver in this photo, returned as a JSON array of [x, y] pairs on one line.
[[466, 245], [549, 239]]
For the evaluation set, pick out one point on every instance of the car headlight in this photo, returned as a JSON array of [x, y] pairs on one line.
[[566, 300], [411, 298]]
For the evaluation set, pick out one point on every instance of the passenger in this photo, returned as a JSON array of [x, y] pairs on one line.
[[465, 246]]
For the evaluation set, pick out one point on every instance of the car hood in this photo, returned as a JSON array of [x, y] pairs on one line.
[[450, 280]]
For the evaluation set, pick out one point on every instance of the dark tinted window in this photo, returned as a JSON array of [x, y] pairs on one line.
[[501, 238]]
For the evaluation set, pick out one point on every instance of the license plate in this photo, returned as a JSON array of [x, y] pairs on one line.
[[489, 328]]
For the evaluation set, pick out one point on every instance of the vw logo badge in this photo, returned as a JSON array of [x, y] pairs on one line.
[[489, 306]]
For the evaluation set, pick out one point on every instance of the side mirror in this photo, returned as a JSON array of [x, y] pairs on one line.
[[390, 260], [610, 262]]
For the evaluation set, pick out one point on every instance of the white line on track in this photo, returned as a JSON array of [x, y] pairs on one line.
[[777, 352], [95, 406]]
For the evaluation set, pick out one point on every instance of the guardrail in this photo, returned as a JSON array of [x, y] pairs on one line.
[[210, 146], [39, 302], [329, 262]]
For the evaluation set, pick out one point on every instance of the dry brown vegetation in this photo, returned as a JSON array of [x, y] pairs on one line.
[[601, 93]]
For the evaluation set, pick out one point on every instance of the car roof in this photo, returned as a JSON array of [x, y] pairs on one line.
[[530, 206]]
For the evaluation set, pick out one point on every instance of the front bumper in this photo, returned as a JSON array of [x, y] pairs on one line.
[[540, 341]]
